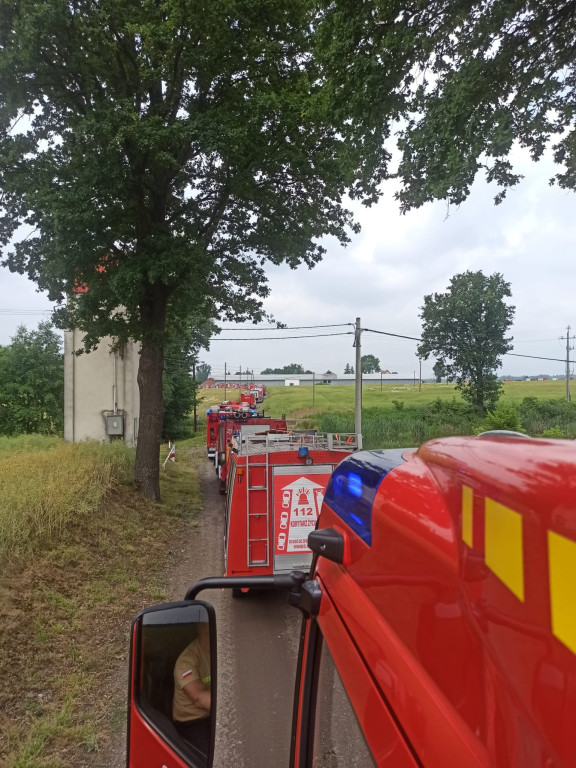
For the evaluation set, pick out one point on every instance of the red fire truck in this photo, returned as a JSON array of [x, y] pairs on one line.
[[241, 423], [275, 487], [439, 628]]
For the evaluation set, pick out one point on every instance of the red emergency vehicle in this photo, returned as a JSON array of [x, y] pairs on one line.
[[217, 413], [439, 628], [241, 423], [275, 487]]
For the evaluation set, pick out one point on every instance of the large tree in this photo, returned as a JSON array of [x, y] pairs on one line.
[[493, 73], [161, 151], [32, 382], [465, 328], [370, 364]]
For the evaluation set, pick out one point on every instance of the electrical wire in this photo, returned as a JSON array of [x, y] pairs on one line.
[[281, 338], [284, 328]]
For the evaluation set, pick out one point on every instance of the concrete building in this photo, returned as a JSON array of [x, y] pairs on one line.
[[101, 396]]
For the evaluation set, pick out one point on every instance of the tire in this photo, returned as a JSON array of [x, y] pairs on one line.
[[237, 593], [221, 488]]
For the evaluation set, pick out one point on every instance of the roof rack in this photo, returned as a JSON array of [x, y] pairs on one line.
[[253, 443]]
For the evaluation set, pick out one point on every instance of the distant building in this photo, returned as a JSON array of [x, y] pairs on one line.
[[307, 379]]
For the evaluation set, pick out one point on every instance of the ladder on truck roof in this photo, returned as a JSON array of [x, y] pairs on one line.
[[250, 541], [256, 446]]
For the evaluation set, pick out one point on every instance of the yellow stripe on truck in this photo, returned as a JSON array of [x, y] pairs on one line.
[[467, 502], [503, 545], [562, 569]]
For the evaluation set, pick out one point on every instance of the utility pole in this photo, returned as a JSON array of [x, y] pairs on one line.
[[313, 387], [568, 348], [225, 381], [420, 375], [195, 395], [358, 393], [240, 377]]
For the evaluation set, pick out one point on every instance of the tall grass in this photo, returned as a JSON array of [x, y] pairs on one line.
[[402, 426], [43, 491]]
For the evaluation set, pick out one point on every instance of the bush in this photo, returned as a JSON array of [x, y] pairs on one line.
[[504, 416]]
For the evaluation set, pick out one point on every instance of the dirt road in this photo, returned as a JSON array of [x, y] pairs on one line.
[[257, 647]]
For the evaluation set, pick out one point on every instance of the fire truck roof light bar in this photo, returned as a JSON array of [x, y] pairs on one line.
[[353, 485]]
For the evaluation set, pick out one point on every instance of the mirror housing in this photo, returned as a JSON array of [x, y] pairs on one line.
[[172, 687]]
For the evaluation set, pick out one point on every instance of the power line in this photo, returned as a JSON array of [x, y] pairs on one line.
[[397, 335], [25, 311], [284, 328], [281, 338], [510, 354]]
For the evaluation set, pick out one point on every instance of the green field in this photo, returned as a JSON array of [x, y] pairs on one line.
[[408, 415]]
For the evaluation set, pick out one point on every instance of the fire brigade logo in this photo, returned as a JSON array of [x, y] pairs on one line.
[[297, 505]]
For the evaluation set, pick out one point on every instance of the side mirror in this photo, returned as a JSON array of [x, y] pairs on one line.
[[172, 691]]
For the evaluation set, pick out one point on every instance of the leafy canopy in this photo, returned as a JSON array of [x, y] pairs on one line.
[[370, 364], [465, 328], [491, 73], [32, 383], [291, 368], [169, 149], [161, 152]]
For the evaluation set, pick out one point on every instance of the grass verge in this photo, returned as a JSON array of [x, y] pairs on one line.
[[66, 602]]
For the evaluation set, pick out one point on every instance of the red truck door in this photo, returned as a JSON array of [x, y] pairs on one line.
[[173, 651]]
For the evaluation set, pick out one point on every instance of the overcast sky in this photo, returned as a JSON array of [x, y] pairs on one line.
[[384, 273]]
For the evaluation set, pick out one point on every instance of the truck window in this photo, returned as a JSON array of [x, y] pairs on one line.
[[338, 738]]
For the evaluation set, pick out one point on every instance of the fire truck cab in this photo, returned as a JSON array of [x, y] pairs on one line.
[[438, 628]]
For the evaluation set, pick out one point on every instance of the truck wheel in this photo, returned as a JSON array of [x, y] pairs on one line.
[[221, 488], [237, 593]]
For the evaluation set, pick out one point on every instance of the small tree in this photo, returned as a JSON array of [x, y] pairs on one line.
[[32, 383], [370, 364], [465, 328], [349, 368], [203, 371], [439, 370]]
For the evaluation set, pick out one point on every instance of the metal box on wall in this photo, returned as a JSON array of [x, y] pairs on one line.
[[115, 425]]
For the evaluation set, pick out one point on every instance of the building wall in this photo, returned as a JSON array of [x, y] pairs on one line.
[[92, 384]]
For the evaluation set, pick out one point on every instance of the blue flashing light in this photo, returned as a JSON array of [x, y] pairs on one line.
[[303, 451], [353, 485]]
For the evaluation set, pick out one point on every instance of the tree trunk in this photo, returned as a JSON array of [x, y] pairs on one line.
[[147, 467]]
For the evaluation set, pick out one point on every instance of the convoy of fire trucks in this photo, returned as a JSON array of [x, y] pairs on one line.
[[436, 593]]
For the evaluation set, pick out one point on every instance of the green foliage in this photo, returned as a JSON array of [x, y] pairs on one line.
[[405, 426], [504, 416], [291, 368], [32, 383], [555, 432], [492, 75], [439, 371], [370, 364], [465, 328], [348, 368], [203, 371], [540, 415], [170, 149]]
